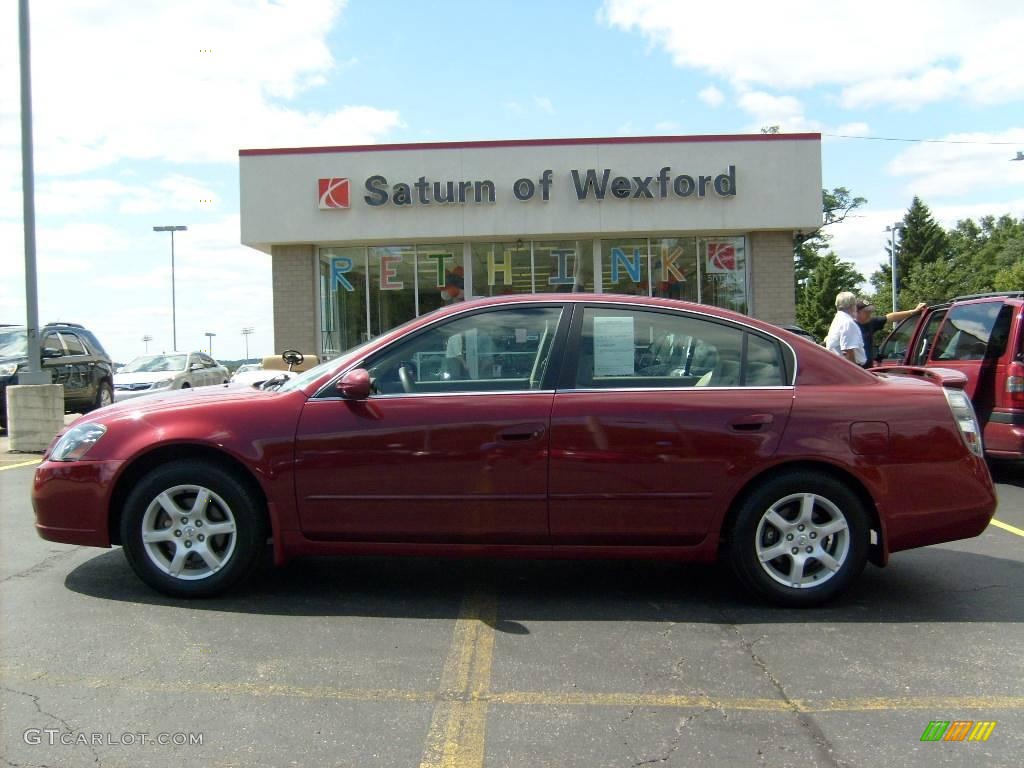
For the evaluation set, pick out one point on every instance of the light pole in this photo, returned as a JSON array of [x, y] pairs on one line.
[[174, 316], [246, 332], [209, 338], [145, 340], [897, 227]]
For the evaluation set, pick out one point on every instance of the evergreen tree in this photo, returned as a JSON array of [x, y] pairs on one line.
[[816, 304]]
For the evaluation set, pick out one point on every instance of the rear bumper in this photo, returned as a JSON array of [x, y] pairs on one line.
[[1004, 435], [72, 501], [947, 501]]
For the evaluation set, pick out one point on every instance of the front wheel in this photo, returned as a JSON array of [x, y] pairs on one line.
[[104, 395], [799, 539], [190, 529]]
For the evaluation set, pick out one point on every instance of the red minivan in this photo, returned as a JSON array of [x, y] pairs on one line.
[[983, 337]]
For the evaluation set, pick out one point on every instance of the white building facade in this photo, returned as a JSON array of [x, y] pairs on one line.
[[365, 238]]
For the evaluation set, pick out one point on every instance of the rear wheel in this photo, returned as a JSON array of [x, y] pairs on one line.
[[192, 529], [104, 395], [799, 539]]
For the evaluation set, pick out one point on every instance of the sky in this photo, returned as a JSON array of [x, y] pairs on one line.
[[140, 109]]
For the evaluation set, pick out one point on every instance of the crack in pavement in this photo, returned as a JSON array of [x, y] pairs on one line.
[[674, 743], [821, 741], [67, 726], [42, 565]]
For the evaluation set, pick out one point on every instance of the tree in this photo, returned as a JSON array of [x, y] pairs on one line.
[[816, 304], [922, 242], [814, 260]]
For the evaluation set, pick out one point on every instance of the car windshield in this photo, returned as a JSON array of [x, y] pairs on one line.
[[156, 363], [13, 342]]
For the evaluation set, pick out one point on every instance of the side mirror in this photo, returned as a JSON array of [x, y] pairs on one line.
[[51, 352], [355, 385], [196, 367]]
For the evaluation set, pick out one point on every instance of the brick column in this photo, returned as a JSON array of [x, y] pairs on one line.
[[294, 283], [770, 260]]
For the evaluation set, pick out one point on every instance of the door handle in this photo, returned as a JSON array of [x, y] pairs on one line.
[[752, 423], [522, 432]]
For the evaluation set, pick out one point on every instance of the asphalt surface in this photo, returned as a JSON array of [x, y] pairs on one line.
[[389, 662]]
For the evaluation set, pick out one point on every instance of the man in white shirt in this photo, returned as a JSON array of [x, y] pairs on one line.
[[844, 336]]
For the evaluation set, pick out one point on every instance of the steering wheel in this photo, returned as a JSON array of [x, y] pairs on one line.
[[405, 376], [292, 357]]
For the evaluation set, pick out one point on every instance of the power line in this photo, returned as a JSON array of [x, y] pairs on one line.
[[921, 141]]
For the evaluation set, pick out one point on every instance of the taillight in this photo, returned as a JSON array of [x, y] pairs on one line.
[[963, 413], [1015, 384]]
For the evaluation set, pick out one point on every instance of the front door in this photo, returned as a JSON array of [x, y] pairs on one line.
[[452, 446]]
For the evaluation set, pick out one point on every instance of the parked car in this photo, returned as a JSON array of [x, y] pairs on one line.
[[71, 354], [275, 369], [150, 374], [982, 336], [542, 425], [247, 373]]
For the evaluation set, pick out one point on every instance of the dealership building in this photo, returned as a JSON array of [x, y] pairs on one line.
[[363, 238]]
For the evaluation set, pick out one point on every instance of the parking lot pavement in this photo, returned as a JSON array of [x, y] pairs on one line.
[[388, 662]]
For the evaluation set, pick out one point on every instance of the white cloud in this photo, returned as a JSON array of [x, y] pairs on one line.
[[853, 129], [545, 105], [878, 50], [711, 96], [140, 85], [784, 111], [936, 171], [667, 126]]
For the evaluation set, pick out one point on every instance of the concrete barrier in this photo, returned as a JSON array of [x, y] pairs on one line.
[[35, 414]]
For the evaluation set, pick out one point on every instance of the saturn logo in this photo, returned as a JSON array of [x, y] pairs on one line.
[[333, 193], [721, 257]]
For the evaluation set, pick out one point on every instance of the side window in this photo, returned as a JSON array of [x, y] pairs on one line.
[[924, 344], [966, 333], [74, 344], [894, 348], [207, 361], [51, 341], [641, 349], [504, 349]]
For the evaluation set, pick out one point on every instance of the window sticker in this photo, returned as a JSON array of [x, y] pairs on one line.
[[613, 346]]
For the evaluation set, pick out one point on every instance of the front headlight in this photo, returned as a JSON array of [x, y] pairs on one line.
[[161, 384], [76, 442], [8, 369]]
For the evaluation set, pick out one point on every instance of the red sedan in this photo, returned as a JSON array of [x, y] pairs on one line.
[[536, 426]]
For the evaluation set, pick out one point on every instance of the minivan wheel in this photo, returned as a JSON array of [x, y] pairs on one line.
[[191, 529], [799, 539]]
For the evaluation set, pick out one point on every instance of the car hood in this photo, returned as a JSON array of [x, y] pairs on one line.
[[181, 398], [145, 377]]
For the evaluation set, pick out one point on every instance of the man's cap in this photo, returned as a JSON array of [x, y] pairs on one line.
[[862, 304]]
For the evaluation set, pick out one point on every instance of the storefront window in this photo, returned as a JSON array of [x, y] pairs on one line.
[[392, 287], [342, 299], [674, 268], [624, 266], [440, 275], [723, 266], [502, 268], [563, 266]]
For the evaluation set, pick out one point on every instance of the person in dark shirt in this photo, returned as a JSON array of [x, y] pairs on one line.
[[870, 325]]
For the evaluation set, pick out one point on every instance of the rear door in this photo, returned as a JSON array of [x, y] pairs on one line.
[[79, 387], [972, 339], [658, 417]]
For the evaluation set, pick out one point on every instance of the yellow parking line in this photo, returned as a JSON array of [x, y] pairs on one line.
[[456, 735], [455, 738], [21, 464], [1007, 527]]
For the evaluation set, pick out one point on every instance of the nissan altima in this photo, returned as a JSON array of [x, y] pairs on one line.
[[536, 426]]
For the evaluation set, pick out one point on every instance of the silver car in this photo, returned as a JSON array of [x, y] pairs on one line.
[[149, 374]]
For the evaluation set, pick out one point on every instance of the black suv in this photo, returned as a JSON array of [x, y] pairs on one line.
[[72, 355]]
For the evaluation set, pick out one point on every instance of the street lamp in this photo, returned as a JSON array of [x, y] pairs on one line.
[[174, 317], [209, 338], [897, 227], [145, 340], [246, 332]]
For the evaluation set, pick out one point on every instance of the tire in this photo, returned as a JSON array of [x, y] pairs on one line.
[[104, 396], [178, 558], [815, 514]]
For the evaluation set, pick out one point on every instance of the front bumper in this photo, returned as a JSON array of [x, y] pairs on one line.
[[72, 501], [120, 395]]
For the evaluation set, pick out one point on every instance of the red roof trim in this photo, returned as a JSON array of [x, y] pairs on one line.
[[534, 143]]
